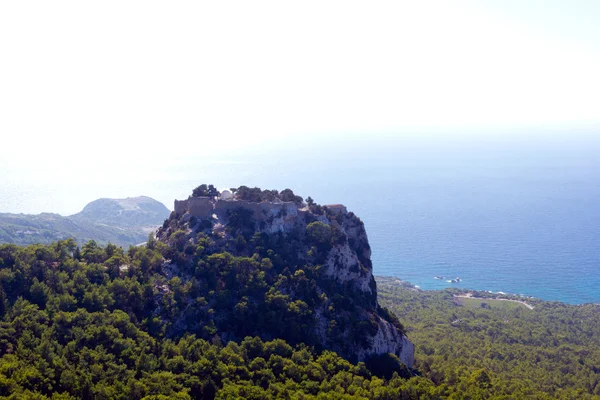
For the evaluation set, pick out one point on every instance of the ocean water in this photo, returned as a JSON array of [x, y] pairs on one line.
[[519, 215]]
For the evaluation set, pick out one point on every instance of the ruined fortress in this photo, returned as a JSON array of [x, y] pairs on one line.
[[209, 207], [347, 262]]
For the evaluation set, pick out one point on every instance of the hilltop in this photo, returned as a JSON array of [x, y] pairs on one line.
[[130, 212], [120, 221], [281, 267], [240, 298]]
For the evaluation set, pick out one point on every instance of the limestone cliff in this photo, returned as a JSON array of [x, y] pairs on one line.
[[321, 258]]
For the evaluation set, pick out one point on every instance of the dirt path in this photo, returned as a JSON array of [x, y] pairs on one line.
[[470, 296]]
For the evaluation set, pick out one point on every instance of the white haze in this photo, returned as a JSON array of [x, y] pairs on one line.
[[106, 94]]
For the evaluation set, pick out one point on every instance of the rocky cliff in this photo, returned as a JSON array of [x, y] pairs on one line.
[[314, 262]]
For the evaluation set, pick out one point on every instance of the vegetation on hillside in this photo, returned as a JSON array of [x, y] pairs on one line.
[[257, 195], [46, 228], [246, 193], [552, 351], [81, 323], [229, 311], [237, 280], [120, 221]]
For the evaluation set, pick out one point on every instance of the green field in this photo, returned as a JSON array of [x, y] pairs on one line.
[[489, 303]]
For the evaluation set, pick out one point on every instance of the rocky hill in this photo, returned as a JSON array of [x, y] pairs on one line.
[[120, 221], [246, 295], [130, 212], [267, 264]]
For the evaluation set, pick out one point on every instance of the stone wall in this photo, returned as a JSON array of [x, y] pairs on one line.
[[223, 206], [336, 208], [261, 211], [205, 207], [199, 207], [181, 207]]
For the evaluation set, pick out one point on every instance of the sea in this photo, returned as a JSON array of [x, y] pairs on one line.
[[517, 214]]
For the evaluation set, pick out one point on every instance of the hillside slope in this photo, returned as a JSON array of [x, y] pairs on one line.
[[245, 299], [120, 221], [500, 349], [130, 212]]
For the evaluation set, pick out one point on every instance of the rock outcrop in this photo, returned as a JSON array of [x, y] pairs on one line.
[[327, 240]]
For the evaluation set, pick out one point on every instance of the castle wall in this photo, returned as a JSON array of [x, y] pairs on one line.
[[199, 207], [223, 206], [181, 207], [336, 208], [260, 211], [205, 207]]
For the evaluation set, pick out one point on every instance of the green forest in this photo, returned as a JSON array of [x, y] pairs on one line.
[[552, 351], [77, 324], [211, 310], [74, 325]]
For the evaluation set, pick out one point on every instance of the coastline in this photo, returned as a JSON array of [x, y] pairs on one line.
[[474, 294], [483, 294]]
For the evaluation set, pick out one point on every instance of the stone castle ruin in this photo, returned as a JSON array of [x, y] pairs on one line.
[[347, 262], [279, 214]]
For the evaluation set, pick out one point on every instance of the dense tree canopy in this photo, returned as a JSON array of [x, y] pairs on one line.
[[229, 311], [80, 323], [500, 347], [257, 195], [86, 328], [205, 190]]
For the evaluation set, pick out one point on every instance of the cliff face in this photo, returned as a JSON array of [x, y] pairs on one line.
[[321, 257], [347, 262]]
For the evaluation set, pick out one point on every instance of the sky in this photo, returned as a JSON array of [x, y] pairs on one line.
[[86, 86]]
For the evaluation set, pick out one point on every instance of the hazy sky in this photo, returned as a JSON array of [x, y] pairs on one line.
[[122, 81]]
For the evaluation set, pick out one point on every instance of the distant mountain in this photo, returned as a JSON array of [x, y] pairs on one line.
[[120, 221], [132, 211]]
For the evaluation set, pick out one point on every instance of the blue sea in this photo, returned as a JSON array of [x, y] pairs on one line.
[[519, 215]]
